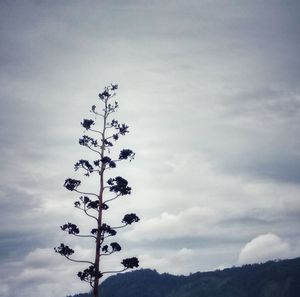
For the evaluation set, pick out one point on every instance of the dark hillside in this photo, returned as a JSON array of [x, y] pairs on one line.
[[271, 279]]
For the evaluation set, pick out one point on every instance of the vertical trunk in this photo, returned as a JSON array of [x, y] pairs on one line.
[[98, 240], [101, 190]]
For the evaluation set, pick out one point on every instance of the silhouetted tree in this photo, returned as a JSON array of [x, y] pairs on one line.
[[100, 141]]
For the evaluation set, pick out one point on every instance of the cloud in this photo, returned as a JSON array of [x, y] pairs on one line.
[[185, 260], [263, 248], [190, 222], [41, 272], [211, 94], [173, 261]]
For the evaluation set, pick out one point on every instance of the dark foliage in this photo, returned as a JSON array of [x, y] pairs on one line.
[[271, 279], [114, 87], [94, 231], [115, 246], [130, 262], [92, 204], [105, 248], [70, 228], [84, 164], [104, 206], [107, 230], [87, 123], [87, 202], [108, 161], [88, 274], [71, 184], [119, 185], [88, 141], [126, 154], [123, 129], [104, 95], [130, 218], [64, 250], [108, 143]]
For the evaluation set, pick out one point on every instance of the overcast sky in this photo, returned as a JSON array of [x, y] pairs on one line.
[[210, 90]]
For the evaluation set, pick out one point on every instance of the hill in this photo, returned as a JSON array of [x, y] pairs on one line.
[[271, 279]]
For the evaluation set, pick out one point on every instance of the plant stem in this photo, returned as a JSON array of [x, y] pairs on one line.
[[100, 197]]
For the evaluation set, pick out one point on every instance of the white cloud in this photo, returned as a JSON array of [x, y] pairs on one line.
[[190, 222], [263, 248], [177, 261]]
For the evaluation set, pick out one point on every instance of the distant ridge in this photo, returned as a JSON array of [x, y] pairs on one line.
[[271, 279]]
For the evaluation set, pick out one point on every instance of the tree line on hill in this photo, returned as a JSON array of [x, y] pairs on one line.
[[280, 278]]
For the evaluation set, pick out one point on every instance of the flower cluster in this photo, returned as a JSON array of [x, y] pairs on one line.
[[85, 165], [126, 154], [89, 274], [71, 184], [119, 185], [70, 228], [130, 262], [88, 141], [87, 124], [64, 250], [87, 202], [106, 229], [130, 218], [108, 161], [115, 247], [121, 128]]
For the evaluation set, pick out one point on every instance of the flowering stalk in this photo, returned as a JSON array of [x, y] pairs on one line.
[[93, 205]]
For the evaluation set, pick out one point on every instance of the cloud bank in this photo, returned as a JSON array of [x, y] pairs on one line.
[[211, 93]]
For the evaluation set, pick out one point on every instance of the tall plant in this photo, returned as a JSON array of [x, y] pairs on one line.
[[100, 140]]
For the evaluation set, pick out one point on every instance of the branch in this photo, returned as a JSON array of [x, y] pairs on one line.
[[88, 170], [96, 131], [120, 226], [109, 137], [85, 210], [87, 213], [104, 237], [109, 127], [93, 150], [112, 198], [78, 261], [86, 193], [110, 112], [107, 254], [95, 112], [116, 271], [90, 282], [91, 236], [117, 160]]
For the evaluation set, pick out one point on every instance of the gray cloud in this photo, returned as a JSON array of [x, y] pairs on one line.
[[211, 93]]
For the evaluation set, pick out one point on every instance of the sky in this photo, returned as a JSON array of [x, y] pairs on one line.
[[210, 90]]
